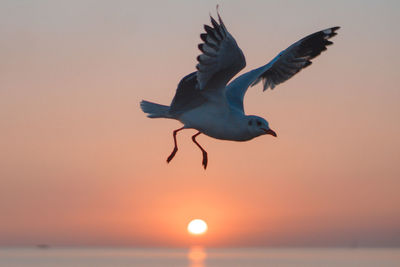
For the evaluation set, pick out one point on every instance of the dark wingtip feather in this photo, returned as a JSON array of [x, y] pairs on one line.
[[221, 23], [214, 22], [211, 32], [308, 63], [328, 43], [200, 46], [333, 31], [203, 37], [208, 29]]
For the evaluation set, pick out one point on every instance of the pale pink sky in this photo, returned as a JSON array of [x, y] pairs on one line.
[[80, 164]]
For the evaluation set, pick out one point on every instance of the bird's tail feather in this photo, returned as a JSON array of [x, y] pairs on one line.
[[154, 110]]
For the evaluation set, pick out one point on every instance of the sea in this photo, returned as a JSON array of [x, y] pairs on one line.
[[198, 257]]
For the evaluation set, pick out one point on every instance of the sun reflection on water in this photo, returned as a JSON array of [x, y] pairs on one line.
[[197, 256]]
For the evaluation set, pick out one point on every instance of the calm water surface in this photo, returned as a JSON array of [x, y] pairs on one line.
[[196, 257]]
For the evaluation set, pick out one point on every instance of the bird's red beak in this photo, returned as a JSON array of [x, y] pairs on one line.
[[269, 131]]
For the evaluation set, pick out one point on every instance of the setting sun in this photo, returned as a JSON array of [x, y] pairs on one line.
[[197, 227]]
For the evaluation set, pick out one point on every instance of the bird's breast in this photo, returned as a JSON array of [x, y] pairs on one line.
[[216, 122]]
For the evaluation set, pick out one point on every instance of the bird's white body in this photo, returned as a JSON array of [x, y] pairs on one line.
[[206, 102], [218, 122]]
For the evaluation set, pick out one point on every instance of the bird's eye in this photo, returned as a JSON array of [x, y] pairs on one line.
[[250, 122], [259, 123]]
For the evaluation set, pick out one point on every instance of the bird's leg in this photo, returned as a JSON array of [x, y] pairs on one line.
[[205, 158], [176, 145]]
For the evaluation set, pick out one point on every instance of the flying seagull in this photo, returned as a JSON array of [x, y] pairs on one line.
[[206, 102]]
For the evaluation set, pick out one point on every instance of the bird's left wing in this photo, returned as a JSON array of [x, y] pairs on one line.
[[221, 57], [284, 66]]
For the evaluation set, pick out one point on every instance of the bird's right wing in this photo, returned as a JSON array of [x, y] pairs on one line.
[[221, 57], [284, 66]]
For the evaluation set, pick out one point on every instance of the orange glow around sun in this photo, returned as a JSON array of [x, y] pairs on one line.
[[197, 227]]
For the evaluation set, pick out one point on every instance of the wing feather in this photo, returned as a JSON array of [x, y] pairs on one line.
[[297, 57], [221, 57], [285, 65], [187, 95]]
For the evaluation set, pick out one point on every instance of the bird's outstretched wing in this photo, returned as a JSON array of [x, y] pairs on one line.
[[187, 95], [221, 57], [284, 66]]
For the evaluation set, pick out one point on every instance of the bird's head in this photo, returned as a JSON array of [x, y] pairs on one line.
[[258, 126]]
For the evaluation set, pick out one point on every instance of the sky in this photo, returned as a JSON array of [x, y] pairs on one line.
[[80, 164]]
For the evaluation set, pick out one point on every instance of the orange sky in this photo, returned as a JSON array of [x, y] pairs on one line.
[[80, 164]]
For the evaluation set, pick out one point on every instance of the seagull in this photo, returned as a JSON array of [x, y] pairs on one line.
[[205, 100]]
